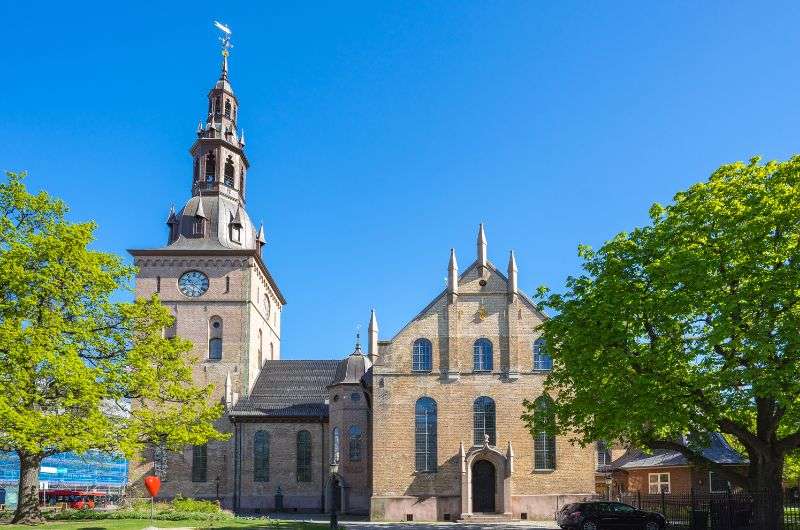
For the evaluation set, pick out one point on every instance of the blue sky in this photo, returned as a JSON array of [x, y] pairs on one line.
[[381, 133]]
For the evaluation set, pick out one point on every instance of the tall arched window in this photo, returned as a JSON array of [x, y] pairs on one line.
[[335, 446], [260, 349], [544, 443], [215, 338], [261, 456], [484, 420], [211, 169], [229, 172], [241, 180], [217, 105], [425, 434], [482, 354], [354, 436], [199, 463], [541, 359], [421, 356], [228, 108], [197, 168], [303, 456]]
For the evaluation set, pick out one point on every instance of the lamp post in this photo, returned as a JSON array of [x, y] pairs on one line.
[[609, 484], [216, 482], [334, 518]]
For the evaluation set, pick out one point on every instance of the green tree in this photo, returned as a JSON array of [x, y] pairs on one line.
[[690, 325], [79, 370]]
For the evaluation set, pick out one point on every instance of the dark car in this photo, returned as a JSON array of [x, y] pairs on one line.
[[603, 515]]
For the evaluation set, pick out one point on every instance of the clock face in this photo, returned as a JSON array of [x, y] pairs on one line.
[[193, 283]]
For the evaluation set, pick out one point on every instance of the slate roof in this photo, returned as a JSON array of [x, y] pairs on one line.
[[718, 451], [352, 369], [290, 388]]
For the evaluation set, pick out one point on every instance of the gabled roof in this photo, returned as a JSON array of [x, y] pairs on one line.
[[718, 451], [289, 389]]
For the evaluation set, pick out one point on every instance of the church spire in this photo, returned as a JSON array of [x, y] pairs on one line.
[[482, 259]]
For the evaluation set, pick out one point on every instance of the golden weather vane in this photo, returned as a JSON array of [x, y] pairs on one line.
[[225, 39]]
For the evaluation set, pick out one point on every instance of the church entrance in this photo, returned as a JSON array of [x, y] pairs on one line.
[[483, 487]]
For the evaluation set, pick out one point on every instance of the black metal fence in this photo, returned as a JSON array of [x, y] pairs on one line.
[[717, 511]]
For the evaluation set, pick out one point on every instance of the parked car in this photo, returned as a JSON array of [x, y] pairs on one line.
[[607, 515]]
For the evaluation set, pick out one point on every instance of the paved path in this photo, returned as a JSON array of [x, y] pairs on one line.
[[361, 524]]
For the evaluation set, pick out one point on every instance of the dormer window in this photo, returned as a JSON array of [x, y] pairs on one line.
[[236, 233]]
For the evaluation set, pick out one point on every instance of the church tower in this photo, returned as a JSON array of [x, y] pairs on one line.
[[213, 277]]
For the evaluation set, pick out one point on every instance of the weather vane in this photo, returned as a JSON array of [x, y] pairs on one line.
[[225, 39]]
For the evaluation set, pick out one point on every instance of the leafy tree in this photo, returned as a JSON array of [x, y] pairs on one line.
[[78, 370], [690, 325]]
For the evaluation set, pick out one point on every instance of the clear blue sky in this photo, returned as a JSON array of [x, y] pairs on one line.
[[381, 133]]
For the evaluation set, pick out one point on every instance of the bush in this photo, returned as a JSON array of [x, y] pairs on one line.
[[178, 509], [193, 505]]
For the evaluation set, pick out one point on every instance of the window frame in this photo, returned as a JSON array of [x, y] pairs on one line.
[[200, 463], [658, 482], [422, 355], [711, 482], [426, 435], [479, 357], [542, 361], [544, 444], [479, 440], [304, 457], [355, 437], [261, 461]]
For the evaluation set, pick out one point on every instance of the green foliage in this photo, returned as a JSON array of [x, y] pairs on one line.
[[791, 470], [689, 324], [73, 360], [195, 505]]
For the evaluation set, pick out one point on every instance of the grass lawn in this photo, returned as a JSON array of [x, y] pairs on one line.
[[139, 524]]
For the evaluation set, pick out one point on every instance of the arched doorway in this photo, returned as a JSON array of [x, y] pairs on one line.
[[483, 487]]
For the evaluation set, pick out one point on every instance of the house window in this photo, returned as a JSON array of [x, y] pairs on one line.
[[303, 456], [336, 443], [717, 483], [261, 456], [229, 172], [603, 455], [482, 351], [354, 435], [425, 434], [215, 338], [541, 359], [484, 420], [199, 463], [421, 356], [658, 483], [544, 443]]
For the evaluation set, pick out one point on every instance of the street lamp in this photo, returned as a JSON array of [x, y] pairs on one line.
[[334, 525]]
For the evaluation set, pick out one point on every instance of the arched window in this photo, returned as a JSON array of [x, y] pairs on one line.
[[261, 456], [425, 434], [482, 353], [544, 443], [215, 338], [260, 349], [335, 446], [199, 463], [484, 420], [303, 456], [229, 172], [217, 105], [211, 169], [541, 359], [228, 108], [197, 168], [241, 180], [199, 226], [421, 356], [271, 351], [354, 436]]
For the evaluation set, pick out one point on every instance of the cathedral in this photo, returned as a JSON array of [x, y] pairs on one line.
[[422, 426]]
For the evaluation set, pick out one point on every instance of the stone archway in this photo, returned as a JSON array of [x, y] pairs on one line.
[[486, 472], [335, 494]]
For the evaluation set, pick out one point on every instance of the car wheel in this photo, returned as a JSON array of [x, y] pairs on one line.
[[652, 525], [589, 525]]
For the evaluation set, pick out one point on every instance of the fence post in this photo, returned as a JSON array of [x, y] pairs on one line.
[[691, 508], [639, 498], [730, 510], [663, 505]]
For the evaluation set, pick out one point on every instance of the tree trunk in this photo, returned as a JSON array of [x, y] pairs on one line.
[[28, 502], [766, 482]]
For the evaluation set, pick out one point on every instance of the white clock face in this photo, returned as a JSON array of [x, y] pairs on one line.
[[193, 283]]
